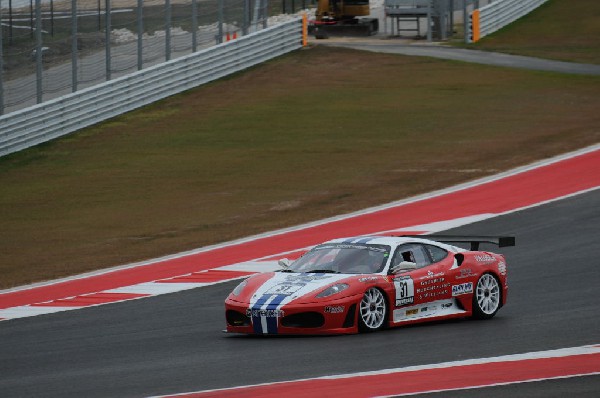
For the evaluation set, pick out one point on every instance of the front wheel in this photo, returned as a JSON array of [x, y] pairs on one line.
[[372, 311], [486, 298]]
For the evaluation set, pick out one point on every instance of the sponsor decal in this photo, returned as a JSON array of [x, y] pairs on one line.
[[446, 305], [502, 268], [462, 288], [305, 278], [431, 288], [431, 295], [430, 308], [368, 279], [432, 281], [265, 313], [405, 291], [348, 245], [412, 312], [484, 258], [337, 309], [465, 273], [431, 275], [285, 288], [404, 301]]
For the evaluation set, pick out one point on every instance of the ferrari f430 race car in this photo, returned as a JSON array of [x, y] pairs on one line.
[[365, 284]]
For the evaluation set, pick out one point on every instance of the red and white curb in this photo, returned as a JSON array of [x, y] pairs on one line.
[[447, 376], [550, 180]]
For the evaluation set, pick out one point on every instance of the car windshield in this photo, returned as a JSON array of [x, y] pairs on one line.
[[343, 258]]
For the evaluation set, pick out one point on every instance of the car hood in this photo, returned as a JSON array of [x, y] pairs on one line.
[[283, 287]]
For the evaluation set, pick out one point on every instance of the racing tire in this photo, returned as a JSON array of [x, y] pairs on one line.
[[487, 297], [372, 311]]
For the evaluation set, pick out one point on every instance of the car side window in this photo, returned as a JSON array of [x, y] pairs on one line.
[[413, 252], [437, 253]]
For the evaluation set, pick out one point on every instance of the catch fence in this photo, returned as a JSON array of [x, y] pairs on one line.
[[43, 122], [495, 16], [49, 48]]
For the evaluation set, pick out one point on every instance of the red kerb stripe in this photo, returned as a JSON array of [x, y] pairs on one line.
[[419, 381]]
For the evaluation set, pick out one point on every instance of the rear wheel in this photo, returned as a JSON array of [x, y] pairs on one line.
[[372, 311], [486, 298]]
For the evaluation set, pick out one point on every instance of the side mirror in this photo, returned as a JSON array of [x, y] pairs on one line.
[[404, 266], [284, 263]]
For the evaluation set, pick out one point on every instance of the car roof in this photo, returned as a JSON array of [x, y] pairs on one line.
[[394, 241]]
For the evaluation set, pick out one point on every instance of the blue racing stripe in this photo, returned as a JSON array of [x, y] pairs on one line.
[[364, 240], [256, 321], [359, 240], [272, 321]]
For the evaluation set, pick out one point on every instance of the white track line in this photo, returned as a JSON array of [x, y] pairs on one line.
[[558, 353]]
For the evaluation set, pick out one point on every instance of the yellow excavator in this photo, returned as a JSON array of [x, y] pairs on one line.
[[339, 18]]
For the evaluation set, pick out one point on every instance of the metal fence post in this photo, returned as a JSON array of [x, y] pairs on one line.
[[265, 13], [451, 18], [10, 23], [107, 38], [220, 23], [246, 17], [442, 11], [429, 21], [167, 30], [256, 15], [31, 22], [52, 18], [194, 25], [38, 50], [1, 65], [140, 33], [74, 46], [466, 26]]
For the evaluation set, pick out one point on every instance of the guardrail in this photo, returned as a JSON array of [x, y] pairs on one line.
[[40, 123], [498, 14]]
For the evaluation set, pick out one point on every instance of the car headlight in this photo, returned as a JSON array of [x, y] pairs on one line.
[[240, 287], [331, 290]]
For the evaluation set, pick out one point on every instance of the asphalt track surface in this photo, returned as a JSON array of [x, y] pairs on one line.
[[405, 47], [174, 343]]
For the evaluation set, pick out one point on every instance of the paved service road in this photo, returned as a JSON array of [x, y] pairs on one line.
[[173, 343], [406, 47]]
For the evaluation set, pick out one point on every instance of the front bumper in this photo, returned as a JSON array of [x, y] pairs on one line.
[[329, 317]]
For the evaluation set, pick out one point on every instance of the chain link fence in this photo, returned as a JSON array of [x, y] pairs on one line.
[[49, 48]]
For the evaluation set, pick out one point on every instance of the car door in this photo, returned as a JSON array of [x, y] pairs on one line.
[[427, 283]]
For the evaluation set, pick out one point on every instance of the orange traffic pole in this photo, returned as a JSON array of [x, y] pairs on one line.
[[304, 30], [476, 34]]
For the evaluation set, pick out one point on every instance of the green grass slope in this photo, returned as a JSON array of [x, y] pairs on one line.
[[565, 30], [317, 133]]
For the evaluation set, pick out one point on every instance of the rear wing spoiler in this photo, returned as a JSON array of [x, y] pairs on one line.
[[500, 241]]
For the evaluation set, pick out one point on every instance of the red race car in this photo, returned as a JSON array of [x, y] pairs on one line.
[[372, 282]]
